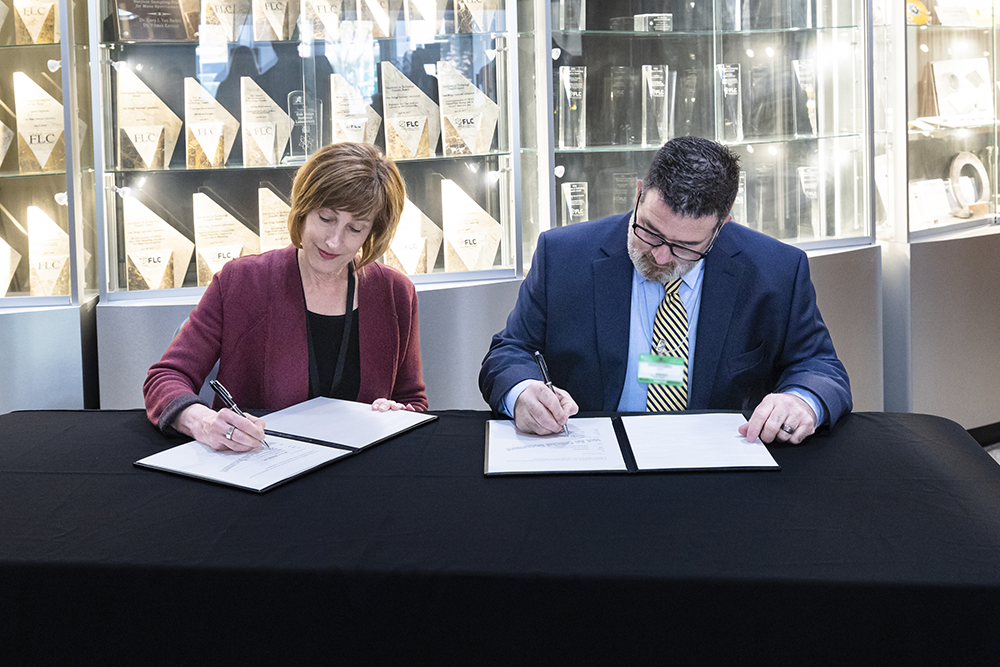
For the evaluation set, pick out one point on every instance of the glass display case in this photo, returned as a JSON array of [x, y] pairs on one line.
[[208, 108], [47, 231], [936, 154], [783, 82]]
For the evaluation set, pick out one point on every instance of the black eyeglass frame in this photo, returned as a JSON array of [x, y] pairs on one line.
[[686, 254]]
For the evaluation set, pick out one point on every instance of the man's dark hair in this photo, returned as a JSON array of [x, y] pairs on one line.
[[696, 177]]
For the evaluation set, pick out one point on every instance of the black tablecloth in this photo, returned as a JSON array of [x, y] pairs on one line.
[[877, 542]]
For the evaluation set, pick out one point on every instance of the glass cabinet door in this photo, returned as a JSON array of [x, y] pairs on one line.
[[47, 237], [209, 108], [782, 82]]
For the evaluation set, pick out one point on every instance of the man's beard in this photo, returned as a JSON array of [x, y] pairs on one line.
[[650, 270]]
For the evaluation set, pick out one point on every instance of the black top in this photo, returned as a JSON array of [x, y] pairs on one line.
[[327, 332]]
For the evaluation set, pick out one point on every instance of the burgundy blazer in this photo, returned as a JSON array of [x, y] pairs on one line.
[[252, 320]]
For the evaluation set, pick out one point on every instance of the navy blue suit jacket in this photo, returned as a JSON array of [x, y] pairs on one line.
[[759, 330]]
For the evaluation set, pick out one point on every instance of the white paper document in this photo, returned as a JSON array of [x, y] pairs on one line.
[[301, 438], [347, 423], [591, 446], [693, 442], [256, 471]]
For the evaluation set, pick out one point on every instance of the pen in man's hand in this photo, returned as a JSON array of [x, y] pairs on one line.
[[540, 360], [227, 398]]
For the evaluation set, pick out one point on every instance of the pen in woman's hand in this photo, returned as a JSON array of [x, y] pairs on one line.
[[227, 398], [540, 360]]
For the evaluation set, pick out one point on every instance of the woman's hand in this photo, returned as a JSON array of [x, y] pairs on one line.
[[385, 405], [223, 430]]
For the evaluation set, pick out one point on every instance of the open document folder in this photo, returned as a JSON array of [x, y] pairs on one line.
[[301, 438], [652, 442]]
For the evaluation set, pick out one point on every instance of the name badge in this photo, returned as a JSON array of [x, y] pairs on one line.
[[660, 369]]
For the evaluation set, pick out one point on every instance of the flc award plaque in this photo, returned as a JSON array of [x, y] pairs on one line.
[[729, 112], [656, 104], [274, 20], [222, 20], [219, 236], [320, 20], [376, 12], [147, 129], [471, 235], [48, 255], [149, 20], [41, 144], [156, 255], [211, 129], [468, 116], [575, 206], [272, 212], [415, 247], [6, 139], [266, 127], [36, 22], [573, 107], [412, 123], [353, 118]]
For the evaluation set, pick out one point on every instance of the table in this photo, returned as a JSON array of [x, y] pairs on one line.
[[878, 542]]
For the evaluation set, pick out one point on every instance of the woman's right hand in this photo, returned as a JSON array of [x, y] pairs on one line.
[[223, 430]]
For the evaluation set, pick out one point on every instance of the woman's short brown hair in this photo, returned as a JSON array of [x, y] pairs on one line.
[[354, 178]]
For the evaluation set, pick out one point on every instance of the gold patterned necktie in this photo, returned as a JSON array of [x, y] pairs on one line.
[[670, 328]]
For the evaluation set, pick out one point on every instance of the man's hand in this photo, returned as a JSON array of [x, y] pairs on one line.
[[776, 411], [542, 412]]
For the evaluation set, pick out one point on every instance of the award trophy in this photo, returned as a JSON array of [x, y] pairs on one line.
[[272, 213], [468, 116], [156, 255], [622, 23], [274, 20], [619, 97], [740, 204], [41, 145], [471, 235], [265, 126], [377, 12], [424, 13], [686, 102], [653, 23], [623, 185], [304, 139], [211, 129], [320, 20], [353, 118], [574, 208], [805, 73], [572, 107], [729, 109], [48, 255], [222, 20], [474, 15], [147, 129], [36, 22], [572, 15], [3, 19], [219, 236], [808, 182], [412, 120], [657, 107], [417, 242]]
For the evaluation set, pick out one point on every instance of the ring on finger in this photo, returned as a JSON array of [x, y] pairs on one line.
[[787, 429], [229, 433]]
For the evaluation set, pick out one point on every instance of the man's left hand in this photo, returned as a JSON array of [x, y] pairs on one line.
[[778, 414]]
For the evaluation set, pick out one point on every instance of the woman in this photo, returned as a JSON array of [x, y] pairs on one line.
[[318, 318]]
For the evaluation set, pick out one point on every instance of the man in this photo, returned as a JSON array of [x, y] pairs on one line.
[[670, 307]]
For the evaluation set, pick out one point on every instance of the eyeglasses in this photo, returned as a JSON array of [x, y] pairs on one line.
[[652, 239]]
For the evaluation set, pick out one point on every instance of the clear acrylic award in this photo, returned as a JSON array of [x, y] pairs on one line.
[[729, 104], [572, 107], [575, 203], [657, 104]]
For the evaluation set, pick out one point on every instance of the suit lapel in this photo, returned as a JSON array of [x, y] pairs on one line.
[[723, 271], [612, 305]]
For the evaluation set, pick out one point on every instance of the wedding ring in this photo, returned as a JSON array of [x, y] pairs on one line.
[[787, 429], [229, 433]]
